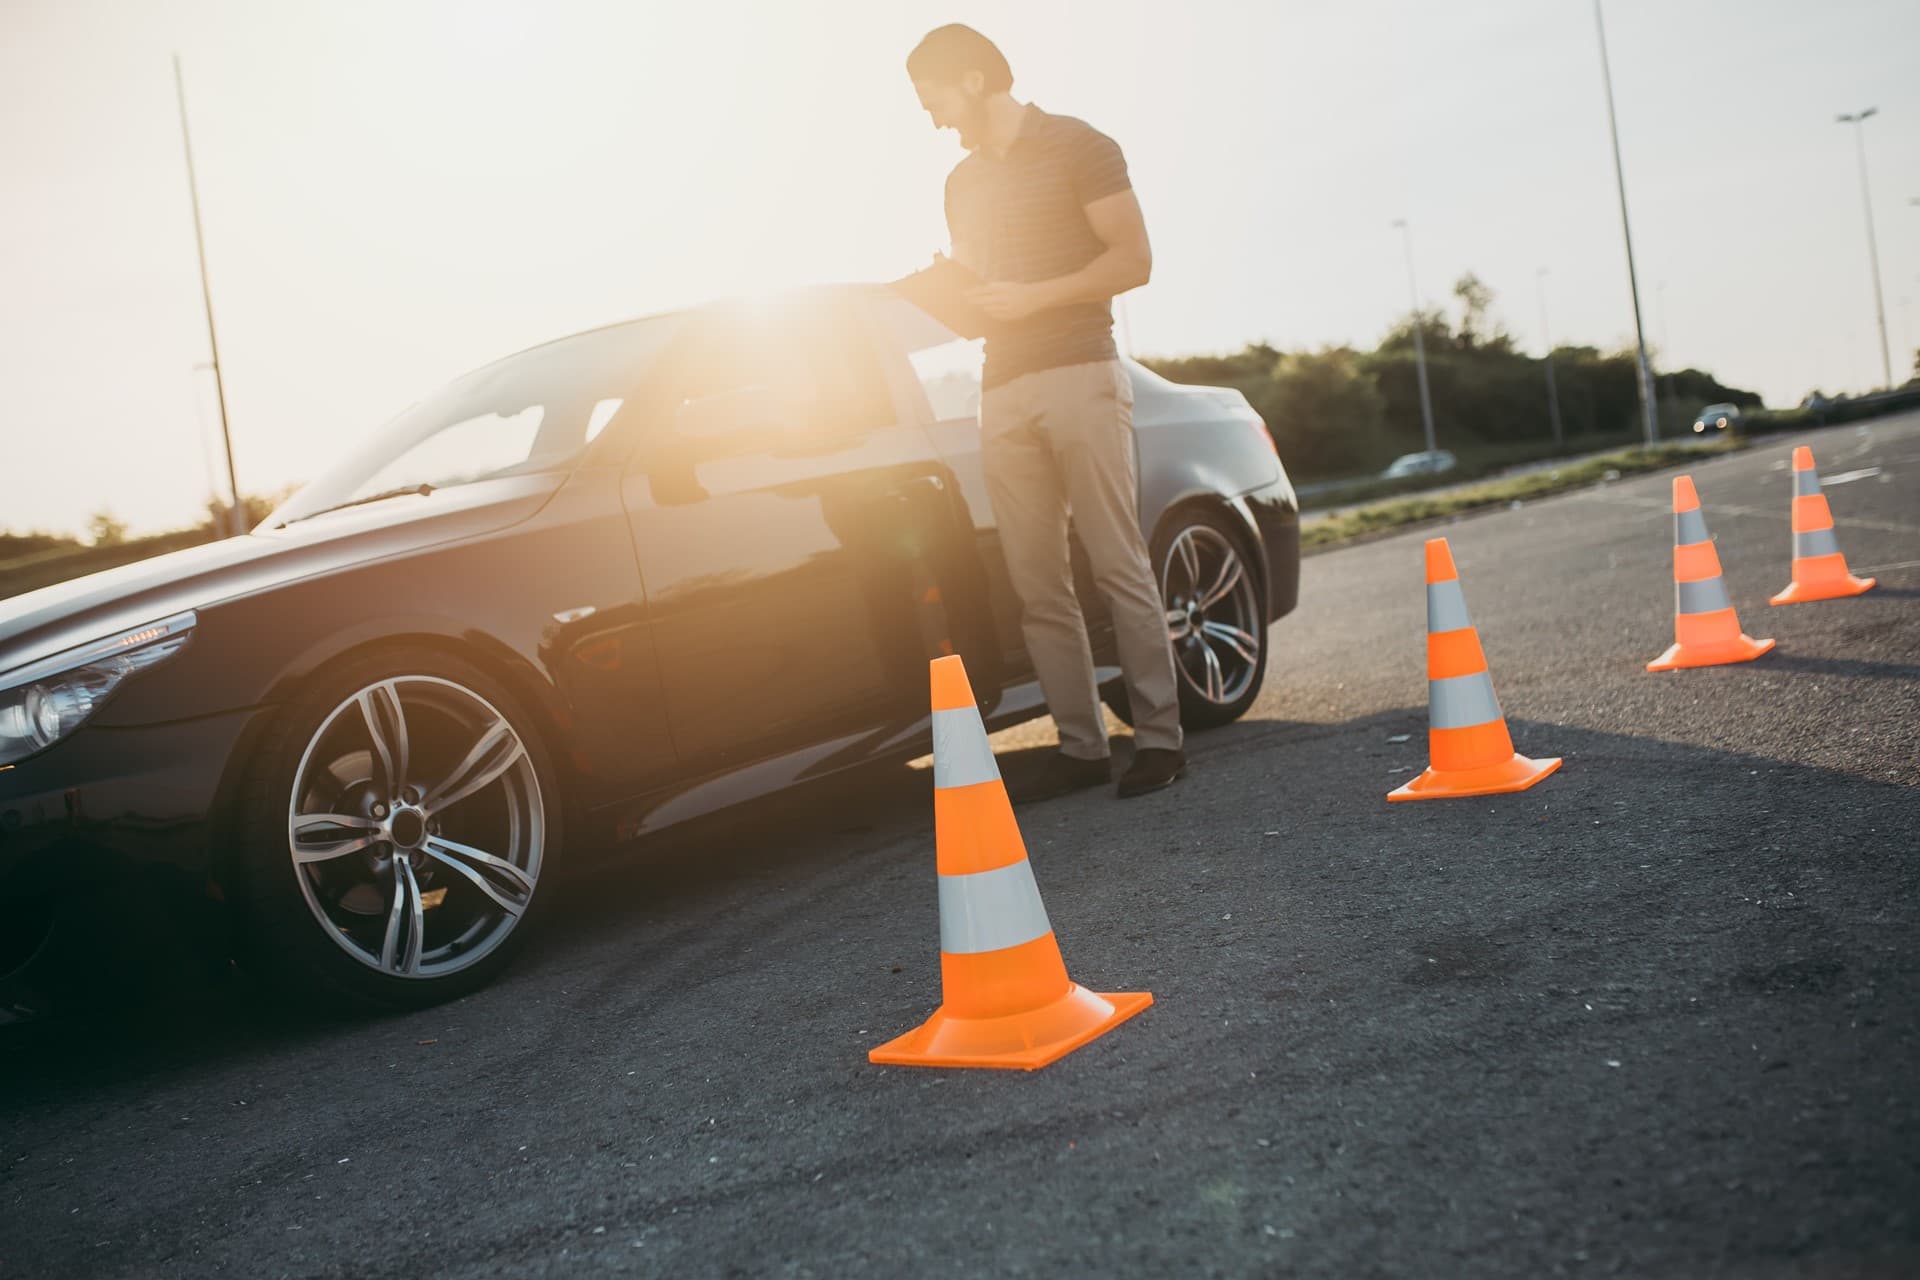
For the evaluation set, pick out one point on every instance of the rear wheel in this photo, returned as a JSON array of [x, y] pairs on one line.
[[1216, 609], [397, 824]]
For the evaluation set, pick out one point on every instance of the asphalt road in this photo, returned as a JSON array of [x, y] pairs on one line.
[[1657, 1017]]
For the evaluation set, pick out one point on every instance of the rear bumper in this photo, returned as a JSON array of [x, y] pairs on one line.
[[109, 803], [1276, 514]]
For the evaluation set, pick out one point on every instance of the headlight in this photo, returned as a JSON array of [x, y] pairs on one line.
[[48, 700]]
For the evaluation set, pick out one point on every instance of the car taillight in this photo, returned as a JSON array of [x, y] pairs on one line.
[[1266, 436]]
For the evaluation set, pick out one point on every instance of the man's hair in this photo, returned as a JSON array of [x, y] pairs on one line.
[[947, 53]]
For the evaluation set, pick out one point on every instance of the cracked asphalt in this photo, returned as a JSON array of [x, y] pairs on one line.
[[1657, 1017]]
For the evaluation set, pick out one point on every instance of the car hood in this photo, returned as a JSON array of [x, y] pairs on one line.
[[41, 623]]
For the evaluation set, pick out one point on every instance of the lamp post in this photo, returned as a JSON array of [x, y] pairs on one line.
[[1666, 345], [1859, 119], [1546, 339], [236, 515], [1651, 424], [1419, 342], [1906, 324]]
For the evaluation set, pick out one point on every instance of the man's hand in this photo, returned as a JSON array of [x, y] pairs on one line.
[[1007, 300]]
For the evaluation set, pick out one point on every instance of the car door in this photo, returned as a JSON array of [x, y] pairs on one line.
[[782, 512], [941, 371]]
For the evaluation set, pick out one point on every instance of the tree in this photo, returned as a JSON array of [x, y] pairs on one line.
[[1324, 410], [33, 542], [254, 507], [105, 529], [1252, 363], [1435, 332], [1478, 329]]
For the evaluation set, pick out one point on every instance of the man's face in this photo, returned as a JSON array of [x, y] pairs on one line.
[[960, 107]]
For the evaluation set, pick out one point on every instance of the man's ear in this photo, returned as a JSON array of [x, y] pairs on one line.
[[975, 83]]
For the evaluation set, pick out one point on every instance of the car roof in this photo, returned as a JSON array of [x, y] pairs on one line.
[[794, 294]]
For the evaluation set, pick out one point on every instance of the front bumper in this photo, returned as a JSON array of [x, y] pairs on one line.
[[110, 800]]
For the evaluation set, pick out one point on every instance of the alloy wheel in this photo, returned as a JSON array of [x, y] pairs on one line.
[[1212, 614], [416, 826]]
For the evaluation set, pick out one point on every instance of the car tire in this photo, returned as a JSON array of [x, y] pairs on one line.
[[329, 924], [1241, 606]]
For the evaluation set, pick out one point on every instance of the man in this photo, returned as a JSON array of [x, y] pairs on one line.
[[1042, 210]]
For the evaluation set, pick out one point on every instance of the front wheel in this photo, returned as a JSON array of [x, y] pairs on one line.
[[1216, 618], [397, 824]]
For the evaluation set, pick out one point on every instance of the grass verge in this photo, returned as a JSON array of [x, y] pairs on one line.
[[1381, 516], [1476, 462]]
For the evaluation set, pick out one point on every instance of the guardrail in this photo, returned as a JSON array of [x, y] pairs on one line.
[[1832, 413]]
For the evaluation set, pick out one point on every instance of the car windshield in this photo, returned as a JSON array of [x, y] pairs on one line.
[[535, 411]]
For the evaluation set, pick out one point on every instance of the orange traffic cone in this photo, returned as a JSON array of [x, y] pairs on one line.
[[1007, 999], [1467, 736], [1819, 570], [1706, 632]]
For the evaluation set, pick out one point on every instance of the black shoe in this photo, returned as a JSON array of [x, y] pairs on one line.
[[1152, 769], [1061, 773]]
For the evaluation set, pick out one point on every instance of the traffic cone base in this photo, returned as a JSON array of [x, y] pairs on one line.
[[1516, 774], [1741, 648], [1021, 1041], [1812, 583]]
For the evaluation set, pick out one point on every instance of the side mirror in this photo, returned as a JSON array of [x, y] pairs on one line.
[[749, 412]]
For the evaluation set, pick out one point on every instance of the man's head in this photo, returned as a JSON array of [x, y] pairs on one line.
[[956, 70]]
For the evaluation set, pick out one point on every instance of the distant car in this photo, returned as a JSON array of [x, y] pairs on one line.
[[1717, 417], [1431, 462]]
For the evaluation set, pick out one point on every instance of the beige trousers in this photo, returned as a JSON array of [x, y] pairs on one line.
[[1062, 439]]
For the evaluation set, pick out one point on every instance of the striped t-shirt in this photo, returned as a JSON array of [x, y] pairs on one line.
[[1022, 217]]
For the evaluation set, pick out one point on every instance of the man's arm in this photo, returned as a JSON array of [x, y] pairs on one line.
[[1127, 263]]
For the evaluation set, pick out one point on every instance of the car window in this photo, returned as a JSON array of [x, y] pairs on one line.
[[947, 365], [465, 451], [950, 375], [791, 377], [535, 411], [602, 414]]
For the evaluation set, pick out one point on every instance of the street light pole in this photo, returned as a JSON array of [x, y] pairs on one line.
[[1666, 344], [1419, 342], [1633, 281], [1546, 339], [236, 516], [1859, 120], [1906, 325]]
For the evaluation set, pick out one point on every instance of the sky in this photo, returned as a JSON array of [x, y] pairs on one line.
[[396, 192]]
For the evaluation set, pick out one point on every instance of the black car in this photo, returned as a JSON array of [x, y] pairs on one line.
[[602, 586]]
